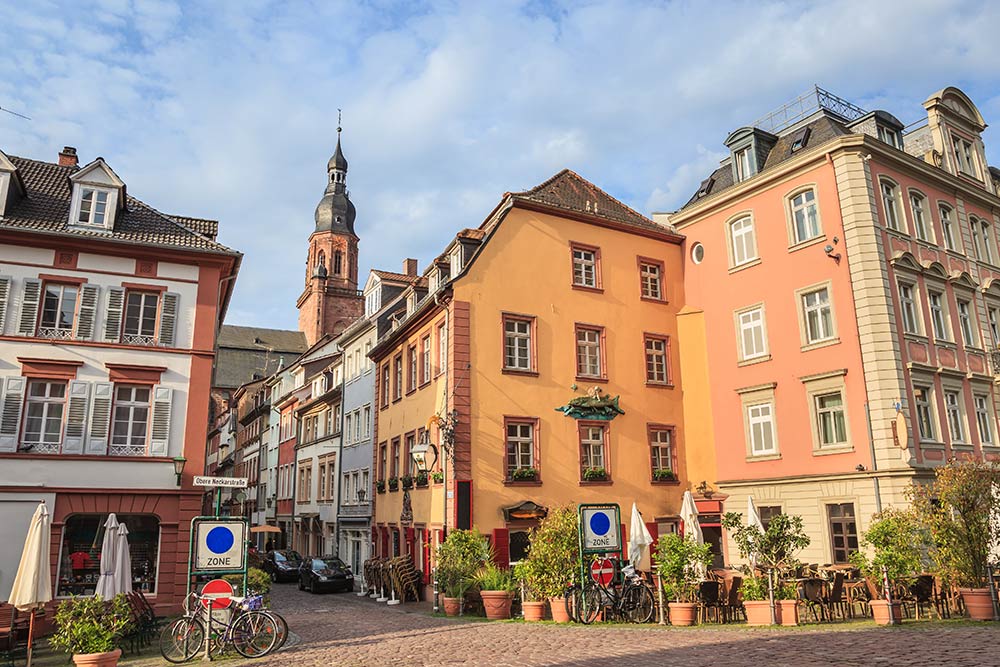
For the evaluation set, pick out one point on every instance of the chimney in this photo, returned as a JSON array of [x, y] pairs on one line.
[[67, 157], [410, 267]]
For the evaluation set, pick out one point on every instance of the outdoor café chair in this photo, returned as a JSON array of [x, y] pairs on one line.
[[921, 593], [709, 595], [734, 606], [835, 601], [812, 591]]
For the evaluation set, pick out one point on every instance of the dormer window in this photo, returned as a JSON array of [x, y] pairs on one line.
[[964, 161], [93, 208], [411, 303], [741, 161], [456, 261], [890, 136], [373, 301], [800, 139]]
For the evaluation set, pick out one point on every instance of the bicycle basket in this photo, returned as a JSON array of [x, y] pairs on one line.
[[253, 603]]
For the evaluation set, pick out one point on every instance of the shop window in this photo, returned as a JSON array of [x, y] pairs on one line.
[[80, 558]]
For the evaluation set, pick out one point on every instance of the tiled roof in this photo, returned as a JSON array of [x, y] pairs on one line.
[[394, 277], [569, 191], [254, 338], [245, 352], [45, 209], [209, 228]]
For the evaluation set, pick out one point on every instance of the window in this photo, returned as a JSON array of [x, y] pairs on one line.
[[58, 311], [456, 261], [367, 423], [920, 227], [994, 325], [586, 267], [963, 156], [442, 349], [818, 315], [760, 422], [889, 136], [43, 416], [394, 463], [947, 227], [373, 301], [80, 552], [843, 531], [397, 387], [925, 413], [93, 207], [383, 458], [984, 418], [348, 422], [768, 512], [830, 419], [425, 359], [743, 241], [305, 483], [956, 422], [518, 350], [987, 255], [752, 333], [520, 447], [935, 299], [338, 263], [131, 421], [592, 454], [660, 452], [890, 204], [651, 280], [974, 228], [411, 357], [657, 364], [698, 253], [908, 308], [322, 481], [411, 439], [805, 217], [965, 323], [741, 160], [588, 352]]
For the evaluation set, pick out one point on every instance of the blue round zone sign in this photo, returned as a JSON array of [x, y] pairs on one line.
[[219, 540], [600, 523]]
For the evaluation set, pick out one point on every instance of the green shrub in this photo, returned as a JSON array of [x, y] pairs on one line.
[[664, 475], [494, 578], [754, 588], [463, 553], [524, 475], [895, 538], [91, 625], [553, 555], [681, 564], [257, 582], [595, 474]]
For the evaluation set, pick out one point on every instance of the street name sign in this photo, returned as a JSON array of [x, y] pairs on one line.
[[229, 482]]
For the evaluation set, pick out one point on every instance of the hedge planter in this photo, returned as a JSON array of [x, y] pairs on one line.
[[109, 659], [880, 611], [497, 604], [558, 607], [533, 611], [788, 612], [683, 613], [452, 606], [758, 612], [977, 603]]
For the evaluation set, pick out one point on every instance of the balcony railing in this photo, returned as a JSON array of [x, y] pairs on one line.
[[138, 339], [55, 333]]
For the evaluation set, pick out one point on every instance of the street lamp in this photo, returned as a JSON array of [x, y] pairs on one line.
[[419, 453], [179, 462], [361, 495]]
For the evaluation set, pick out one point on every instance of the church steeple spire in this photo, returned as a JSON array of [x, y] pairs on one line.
[[335, 211]]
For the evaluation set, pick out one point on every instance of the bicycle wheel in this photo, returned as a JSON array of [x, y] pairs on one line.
[[570, 599], [637, 604], [590, 602], [181, 640], [254, 634], [282, 626]]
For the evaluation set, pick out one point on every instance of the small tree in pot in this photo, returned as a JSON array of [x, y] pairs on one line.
[[553, 558], [681, 564], [958, 510], [91, 629], [463, 553], [895, 538]]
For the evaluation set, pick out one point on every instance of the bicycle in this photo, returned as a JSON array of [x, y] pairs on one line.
[[253, 632], [633, 603]]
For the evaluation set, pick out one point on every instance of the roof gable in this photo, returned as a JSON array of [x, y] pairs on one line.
[[98, 173]]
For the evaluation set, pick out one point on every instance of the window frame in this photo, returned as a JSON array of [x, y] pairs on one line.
[[939, 316], [950, 240], [426, 368], [442, 348], [664, 339], [752, 397], [578, 328], [660, 266], [985, 415], [908, 306], [397, 377], [412, 369], [385, 373], [110, 200], [967, 323], [598, 284], [534, 423], [790, 214], [586, 424], [116, 403], [955, 416], [671, 431], [801, 294], [57, 332], [751, 260], [532, 336], [897, 220], [925, 411], [42, 446], [743, 358], [840, 525], [923, 228]]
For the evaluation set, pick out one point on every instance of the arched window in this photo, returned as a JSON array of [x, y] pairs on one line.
[[947, 227], [805, 218], [743, 241], [321, 260], [338, 260], [919, 210], [890, 203]]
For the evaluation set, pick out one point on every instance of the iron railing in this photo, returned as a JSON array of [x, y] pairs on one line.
[[805, 105]]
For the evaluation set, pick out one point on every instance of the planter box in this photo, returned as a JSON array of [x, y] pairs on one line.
[[109, 659], [497, 604], [683, 613], [788, 612], [880, 611], [558, 609], [533, 611], [758, 612], [452, 606]]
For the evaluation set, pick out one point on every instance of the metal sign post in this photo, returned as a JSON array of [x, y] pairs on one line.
[[599, 532], [239, 544]]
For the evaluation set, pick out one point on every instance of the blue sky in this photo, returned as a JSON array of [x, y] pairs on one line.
[[228, 110]]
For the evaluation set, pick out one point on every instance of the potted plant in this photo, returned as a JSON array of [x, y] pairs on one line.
[[458, 559], [91, 629], [756, 603], [496, 587], [553, 558], [421, 478], [664, 475], [533, 602], [772, 550], [437, 476], [524, 475], [788, 604], [955, 511], [894, 538], [393, 483], [681, 564], [380, 486], [407, 482], [597, 474]]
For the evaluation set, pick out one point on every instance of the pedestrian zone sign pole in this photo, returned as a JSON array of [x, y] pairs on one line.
[[599, 534], [218, 545]]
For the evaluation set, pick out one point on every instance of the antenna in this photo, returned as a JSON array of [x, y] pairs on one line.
[[14, 113]]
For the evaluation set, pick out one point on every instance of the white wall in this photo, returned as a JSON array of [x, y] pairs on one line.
[[15, 516]]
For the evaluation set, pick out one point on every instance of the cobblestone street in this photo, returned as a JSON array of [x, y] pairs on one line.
[[352, 631]]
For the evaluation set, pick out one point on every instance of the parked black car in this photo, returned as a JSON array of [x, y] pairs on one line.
[[283, 565], [328, 573]]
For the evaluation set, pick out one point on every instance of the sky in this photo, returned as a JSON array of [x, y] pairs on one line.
[[228, 110]]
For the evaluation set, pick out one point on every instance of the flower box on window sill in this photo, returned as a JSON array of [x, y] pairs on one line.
[[664, 475], [380, 487], [407, 482], [595, 475], [524, 475], [437, 477], [420, 480], [394, 484]]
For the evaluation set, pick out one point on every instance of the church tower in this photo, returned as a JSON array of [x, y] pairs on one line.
[[330, 301]]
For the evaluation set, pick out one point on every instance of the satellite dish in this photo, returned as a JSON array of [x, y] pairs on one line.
[[902, 433]]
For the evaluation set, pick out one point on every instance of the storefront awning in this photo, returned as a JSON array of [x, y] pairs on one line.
[[525, 511]]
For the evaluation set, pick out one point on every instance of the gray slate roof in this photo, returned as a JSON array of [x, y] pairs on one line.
[[245, 352], [45, 210]]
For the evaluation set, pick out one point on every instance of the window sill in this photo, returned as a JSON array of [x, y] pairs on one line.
[[931, 444], [745, 265], [515, 482], [962, 446], [411, 391], [519, 371], [603, 482], [799, 245], [915, 337], [659, 385], [898, 233], [763, 457], [946, 344], [665, 482], [397, 399], [652, 300], [820, 343], [754, 360], [424, 384], [929, 245], [828, 451], [974, 349], [587, 378], [585, 288]]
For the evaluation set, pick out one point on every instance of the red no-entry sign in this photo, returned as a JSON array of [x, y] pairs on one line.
[[602, 571], [219, 591]]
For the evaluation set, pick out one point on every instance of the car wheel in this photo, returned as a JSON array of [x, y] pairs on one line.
[[312, 587], [302, 586], [274, 576]]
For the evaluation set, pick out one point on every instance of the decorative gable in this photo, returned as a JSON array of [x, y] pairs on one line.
[[11, 187], [750, 147], [97, 196]]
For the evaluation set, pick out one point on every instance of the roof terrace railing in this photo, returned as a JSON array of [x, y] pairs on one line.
[[805, 105]]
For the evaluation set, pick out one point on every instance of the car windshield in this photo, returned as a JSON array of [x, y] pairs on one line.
[[281, 557], [327, 563]]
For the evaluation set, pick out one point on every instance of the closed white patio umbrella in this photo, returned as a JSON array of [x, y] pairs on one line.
[[692, 529], [639, 540], [32, 586], [123, 562], [753, 519], [107, 584]]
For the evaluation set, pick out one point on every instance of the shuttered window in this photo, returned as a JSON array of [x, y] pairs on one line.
[[43, 416], [140, 318], [58, 311], [131, 421]]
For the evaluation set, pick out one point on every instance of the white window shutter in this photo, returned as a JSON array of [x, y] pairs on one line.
[[76, 417], [5, 282], [30, 298], [100, 418], [10, 415], [159, 441], [88, 312], [114, 304], [168, 319]]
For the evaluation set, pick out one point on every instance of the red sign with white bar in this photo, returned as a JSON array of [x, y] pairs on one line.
[[219, 594], [602, 571]]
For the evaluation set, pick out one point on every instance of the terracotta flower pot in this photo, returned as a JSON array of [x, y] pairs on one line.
[[109, 659], [558, 607], [497, 604], [788, 612], [452, 606], [880, 611], [533, 611], [683, 613], [977, 603], [758, 612]]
